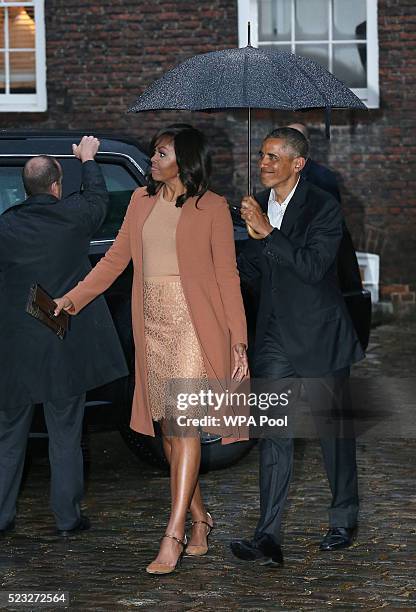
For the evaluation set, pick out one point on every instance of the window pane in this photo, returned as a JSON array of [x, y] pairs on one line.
[[318, 53], [350, 64], [274, 20], [311, 20], [349, 19], [11, 187], [22, 72], [1, 28], [21, 28], [2, 74], [120, 185]]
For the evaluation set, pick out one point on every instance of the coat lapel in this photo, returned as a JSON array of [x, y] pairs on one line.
[[181, 233], [263, 199], [294, 207], [141, 212]]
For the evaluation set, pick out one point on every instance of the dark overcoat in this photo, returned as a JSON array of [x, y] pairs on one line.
[[46, 240], [297, 266]]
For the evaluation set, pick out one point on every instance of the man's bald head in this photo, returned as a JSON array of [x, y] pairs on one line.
[[42, 174], [300, 127]]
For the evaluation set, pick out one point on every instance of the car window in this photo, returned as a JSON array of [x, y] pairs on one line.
[[11, 187], [120, 185]]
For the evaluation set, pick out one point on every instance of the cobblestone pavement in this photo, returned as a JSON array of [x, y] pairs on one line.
[[128, 503]]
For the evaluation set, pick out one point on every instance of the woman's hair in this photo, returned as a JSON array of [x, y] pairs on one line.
[[192, 157]]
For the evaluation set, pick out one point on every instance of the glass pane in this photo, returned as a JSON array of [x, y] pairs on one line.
[[11, 187], [1, 28], [22, 72], [318, 53], [274, 20], [22, 28], [349, 19], [2, 74], [349, 64], [120, 185], [311, 20]]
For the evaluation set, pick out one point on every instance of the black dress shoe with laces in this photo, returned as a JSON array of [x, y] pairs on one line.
[[263, 551], [82, 525], [337, 538], [5, 530]]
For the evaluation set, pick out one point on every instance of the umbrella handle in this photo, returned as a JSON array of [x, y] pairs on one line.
[[252, 233]]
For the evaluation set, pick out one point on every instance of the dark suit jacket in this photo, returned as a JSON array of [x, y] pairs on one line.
[[348, 269], [297, 267], [46, 240]]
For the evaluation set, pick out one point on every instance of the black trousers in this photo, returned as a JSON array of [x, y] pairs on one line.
[[327, 397], [64, 422]]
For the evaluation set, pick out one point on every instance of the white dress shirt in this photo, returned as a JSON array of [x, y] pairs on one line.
[[276, 211]]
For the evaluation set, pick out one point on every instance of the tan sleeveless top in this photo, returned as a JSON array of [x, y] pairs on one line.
[[159, 239]]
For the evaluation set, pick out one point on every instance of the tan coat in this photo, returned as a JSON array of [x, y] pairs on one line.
[[209, 277]]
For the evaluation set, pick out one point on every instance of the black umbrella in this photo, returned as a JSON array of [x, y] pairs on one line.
[[247, 78]]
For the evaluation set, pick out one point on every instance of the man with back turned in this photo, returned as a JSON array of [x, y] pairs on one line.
[[46, 240], [303, 331]]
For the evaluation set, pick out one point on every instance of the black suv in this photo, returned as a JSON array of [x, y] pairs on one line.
[[124, 166]]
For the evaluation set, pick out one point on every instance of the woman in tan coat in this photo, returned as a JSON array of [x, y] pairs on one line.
[[187, 312]]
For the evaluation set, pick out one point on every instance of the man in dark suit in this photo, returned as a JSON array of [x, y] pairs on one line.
[[46, 240], [303, 330]]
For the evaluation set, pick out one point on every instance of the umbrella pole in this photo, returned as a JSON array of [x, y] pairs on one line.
[[249, 150], [249, 122]]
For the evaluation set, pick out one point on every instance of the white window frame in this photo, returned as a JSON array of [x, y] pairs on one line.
[[370, 95], [21, 102]]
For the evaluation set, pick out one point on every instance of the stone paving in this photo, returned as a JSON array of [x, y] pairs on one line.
[[128, 503]]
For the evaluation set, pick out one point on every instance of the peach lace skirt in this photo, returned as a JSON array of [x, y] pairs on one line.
[[172, 348]]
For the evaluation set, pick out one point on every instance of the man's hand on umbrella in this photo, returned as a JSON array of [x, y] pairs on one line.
[[86, 149], [253, 215]]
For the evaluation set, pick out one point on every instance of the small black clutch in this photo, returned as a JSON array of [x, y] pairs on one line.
[[41, 306]]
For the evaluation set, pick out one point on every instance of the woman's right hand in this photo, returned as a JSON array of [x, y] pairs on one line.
[[62, 303]]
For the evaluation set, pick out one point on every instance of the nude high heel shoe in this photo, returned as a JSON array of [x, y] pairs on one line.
[[198, 551], [163, 568]]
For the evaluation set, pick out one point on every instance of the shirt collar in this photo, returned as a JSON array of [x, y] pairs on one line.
[[283, 205]]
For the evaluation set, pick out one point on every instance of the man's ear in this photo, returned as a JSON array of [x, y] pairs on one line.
[[56, 189], [299, 163]]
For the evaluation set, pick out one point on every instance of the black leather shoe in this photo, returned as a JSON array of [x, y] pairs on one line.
[[263, 551], [5, 530], [82, 525], [337, 538]]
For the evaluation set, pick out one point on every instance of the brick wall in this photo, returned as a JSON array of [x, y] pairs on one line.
[[101, 55]]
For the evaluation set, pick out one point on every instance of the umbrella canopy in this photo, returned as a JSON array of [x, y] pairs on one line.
[[247, 78]]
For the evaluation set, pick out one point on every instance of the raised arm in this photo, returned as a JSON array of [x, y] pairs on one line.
[[93, 201], [103, 274]]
